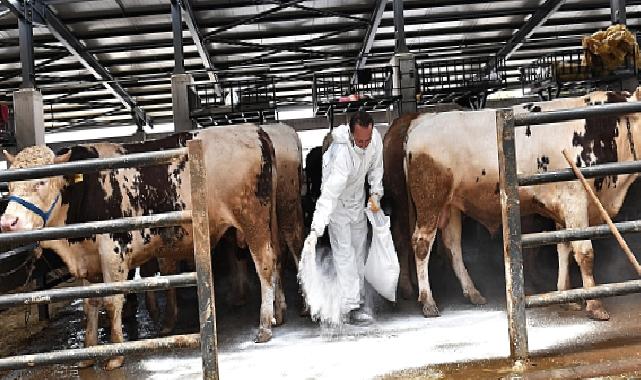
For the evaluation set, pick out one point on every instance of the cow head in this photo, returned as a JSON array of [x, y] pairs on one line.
[[32, 203]]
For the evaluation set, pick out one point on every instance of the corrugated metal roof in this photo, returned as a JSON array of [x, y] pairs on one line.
[[133, 40]]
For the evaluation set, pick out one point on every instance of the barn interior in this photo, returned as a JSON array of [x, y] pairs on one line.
[[74, 72]]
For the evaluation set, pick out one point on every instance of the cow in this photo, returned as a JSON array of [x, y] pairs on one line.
[[396, 193], [241, 187], [452, 168], [288, 161]]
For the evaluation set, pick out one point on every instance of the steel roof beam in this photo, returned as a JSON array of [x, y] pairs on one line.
[[328, 13], [252, 19], [199, 41], [370, 35], [507, 27], [539, 18], [64, 35], [279, 48]]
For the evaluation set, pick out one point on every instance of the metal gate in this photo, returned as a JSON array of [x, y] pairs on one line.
[[202, 278], [513, 240]]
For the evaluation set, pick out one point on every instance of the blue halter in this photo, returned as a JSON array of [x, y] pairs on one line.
[[35, 209]]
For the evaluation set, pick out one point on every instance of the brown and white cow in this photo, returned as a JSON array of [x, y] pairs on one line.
[[396, 193], [288, 159], [451, 168], [241, 178]]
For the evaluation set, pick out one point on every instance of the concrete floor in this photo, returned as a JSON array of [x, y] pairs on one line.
[[401, 344], [401, 339]]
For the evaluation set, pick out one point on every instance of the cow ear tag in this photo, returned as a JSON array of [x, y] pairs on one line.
[[78, 178]]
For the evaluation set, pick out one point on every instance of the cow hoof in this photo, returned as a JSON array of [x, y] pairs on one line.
[[114, 363], [430, 311], [264, 335], [599, 314], [572, 306], [87, 363], [476, 298]]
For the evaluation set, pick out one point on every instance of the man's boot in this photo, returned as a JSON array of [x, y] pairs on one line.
[[361, 316]]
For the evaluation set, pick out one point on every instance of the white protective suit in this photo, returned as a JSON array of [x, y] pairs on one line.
[[341, 205]]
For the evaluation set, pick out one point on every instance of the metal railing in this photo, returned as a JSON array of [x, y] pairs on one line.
[[198, 217], [461, 75], [575, 71], [365, 86], [345, 91], [514, 241], [453, 79], [233, 102]]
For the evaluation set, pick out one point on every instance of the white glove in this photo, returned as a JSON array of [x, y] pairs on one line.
[[310, 241], [319, 230]]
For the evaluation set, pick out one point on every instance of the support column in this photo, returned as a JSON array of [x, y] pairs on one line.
[[399, 28], [618, 11], [29, 117], [180, 102], [403, 64], [404, 81]]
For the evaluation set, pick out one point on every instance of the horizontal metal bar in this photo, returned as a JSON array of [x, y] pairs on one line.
[[99, 290], [102, 351], [572, 234], [599, 291], [532, 118], [167, 219], [614, 168], [92, 165]]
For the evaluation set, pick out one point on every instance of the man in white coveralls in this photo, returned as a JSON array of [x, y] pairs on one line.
[[356, 151]]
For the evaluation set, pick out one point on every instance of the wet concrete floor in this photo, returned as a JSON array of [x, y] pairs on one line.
[[472, 340], [466, 341]]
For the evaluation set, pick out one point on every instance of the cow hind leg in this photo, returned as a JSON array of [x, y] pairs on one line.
[[265, 262], [91, 306], [422, 241], [452, 241], [430, 189], [114, 305], [149, 269], [584, 256], [114, 269], [168, 267], [563, 282], [401, 241], [279, 300]]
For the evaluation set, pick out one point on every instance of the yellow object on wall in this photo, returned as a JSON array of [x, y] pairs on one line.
[[611, 47]]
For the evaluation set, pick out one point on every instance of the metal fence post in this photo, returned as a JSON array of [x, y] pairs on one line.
[[510, 207], [200, 223]]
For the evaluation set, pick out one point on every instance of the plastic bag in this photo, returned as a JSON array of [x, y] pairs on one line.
[[381, 268]]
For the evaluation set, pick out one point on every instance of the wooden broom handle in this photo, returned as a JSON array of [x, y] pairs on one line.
[[604, 215]]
